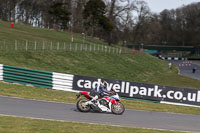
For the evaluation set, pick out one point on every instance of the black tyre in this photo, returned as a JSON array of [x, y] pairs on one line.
[[81, 107], [117, 109]]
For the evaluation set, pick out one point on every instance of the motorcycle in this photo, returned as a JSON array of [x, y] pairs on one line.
[[105, 104]]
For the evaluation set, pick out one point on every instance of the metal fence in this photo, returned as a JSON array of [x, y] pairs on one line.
[[26, 45]]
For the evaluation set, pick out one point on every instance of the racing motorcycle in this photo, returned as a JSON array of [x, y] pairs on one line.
[[105, 104]]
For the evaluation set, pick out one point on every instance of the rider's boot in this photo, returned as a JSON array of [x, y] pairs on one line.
[[92, 101]]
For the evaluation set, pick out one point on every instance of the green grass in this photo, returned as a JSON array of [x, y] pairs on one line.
[[138, 68], [25, 32], [27, 125]]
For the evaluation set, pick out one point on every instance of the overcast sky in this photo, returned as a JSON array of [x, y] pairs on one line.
[[159, 5]]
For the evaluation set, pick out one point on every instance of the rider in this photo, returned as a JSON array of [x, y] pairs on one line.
[[102, 91]]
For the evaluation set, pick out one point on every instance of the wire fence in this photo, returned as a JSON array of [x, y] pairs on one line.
[[26, 45]]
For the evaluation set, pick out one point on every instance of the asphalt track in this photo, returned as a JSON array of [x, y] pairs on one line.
[[185, 68], [67, 112]]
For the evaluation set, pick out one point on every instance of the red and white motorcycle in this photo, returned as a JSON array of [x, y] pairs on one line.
[[106, 104]]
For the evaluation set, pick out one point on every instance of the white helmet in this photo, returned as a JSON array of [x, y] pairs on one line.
[[105, 84]]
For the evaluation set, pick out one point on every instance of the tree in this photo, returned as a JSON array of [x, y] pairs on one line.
[[94, 15], [77, 7], [142, 22], [120, 14], [7, 12], [60, 15]]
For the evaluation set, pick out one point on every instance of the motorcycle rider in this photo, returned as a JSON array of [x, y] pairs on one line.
[[101, 92]]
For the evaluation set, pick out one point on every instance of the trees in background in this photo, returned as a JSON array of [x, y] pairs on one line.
[[180, 26], [59, 15], [96, 20], [115, 21], [94, 14], [7, 9]]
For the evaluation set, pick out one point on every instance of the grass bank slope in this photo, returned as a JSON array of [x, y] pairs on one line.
[[25, 32], [139, 67]]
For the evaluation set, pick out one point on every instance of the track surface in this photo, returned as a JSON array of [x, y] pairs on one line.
[[186, 67], [68, 112]]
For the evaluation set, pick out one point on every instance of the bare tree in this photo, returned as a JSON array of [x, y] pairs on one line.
[[120, 13], [141, 20], [7, 12]]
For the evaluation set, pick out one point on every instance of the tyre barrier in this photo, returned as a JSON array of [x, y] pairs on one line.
[[1, 72], [51, 80], [170, 58]]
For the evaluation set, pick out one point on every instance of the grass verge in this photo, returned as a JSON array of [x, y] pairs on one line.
[[27, 125]]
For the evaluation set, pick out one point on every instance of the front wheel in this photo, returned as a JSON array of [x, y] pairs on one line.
[[117, 109], [81, 107]]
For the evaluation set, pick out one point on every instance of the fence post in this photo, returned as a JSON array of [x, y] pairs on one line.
[[64, 46], [51, 45], [86, 47], [81, 47], [90, 48], [58, 45], [70, 47], [15, 44], [26, 45], [76, 47], [43, 45], [35, 45], [4, 43]]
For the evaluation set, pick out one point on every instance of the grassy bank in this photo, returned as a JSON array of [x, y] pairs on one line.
[[25, 32], [139, 67], [26, 125]]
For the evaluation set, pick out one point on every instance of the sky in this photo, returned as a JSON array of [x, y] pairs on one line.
[[159, 5]]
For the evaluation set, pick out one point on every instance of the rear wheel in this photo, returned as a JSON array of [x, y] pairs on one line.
[[81, 107], [117, 109]]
